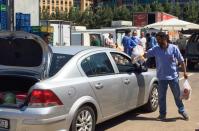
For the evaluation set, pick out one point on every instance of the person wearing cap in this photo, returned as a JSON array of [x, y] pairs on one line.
[[167, 55]]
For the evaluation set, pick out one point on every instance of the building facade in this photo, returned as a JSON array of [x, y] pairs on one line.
[[64, 5]]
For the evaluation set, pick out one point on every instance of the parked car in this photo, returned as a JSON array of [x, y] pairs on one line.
[[192, 51], [68, 88]]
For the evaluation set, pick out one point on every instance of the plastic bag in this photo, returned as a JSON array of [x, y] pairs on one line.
[[138, 50], [137, 54], [186, 91]]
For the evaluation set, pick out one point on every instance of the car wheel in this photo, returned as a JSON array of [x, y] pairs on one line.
[[190, 65], [152, 103], [84, 120]]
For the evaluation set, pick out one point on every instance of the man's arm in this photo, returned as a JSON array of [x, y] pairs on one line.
[[180, 59], [150, 53], [184, 69]]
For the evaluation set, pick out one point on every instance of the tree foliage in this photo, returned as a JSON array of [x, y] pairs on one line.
[[102, 16]]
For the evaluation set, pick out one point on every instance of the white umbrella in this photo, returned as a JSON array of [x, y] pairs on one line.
[[173, 24]]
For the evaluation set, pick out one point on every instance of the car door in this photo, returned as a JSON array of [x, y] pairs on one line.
[[129, 79], [105, 83]]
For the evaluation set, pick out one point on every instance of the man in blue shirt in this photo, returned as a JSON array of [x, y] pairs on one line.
[[128, 43], [166, 56], [153, 41], [135, 38]]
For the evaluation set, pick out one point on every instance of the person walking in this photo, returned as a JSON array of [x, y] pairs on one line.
[[127, 42], [166, 56]]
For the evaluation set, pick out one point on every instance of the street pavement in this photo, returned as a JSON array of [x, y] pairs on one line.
[[137, 120]]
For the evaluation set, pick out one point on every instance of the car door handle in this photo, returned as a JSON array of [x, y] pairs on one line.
[[98, 86], [126, 81]]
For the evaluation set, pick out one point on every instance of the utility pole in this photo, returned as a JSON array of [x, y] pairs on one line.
[[10, 14]]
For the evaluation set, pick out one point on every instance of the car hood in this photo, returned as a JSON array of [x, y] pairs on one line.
[[23, 53]]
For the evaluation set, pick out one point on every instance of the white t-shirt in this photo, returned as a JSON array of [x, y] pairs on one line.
[[109, 42], [143, 42]]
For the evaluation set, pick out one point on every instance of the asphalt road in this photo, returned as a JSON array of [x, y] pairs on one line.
[[139, 121]]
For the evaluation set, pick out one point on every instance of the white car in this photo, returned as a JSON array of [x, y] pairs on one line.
[[68, 88]]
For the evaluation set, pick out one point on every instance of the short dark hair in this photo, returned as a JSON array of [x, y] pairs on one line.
[[127, 31], [162, 35]]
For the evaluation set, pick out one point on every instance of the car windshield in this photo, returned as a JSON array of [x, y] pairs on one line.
[[193, 45], [58, 61]]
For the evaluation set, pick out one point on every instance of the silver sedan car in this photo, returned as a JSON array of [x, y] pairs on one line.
[[67, 88]]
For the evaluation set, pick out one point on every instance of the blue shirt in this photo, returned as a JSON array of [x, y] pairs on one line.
[[135, 39], [166, 61], [153, 42], [128, 45]]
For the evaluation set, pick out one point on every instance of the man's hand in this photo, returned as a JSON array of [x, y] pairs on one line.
[[185, 76]]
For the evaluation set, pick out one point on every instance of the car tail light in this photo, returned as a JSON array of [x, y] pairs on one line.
[[43, 98]]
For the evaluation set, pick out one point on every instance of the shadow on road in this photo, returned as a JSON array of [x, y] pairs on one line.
[[130, 116]]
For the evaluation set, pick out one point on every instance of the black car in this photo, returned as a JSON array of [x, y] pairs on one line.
[[192, 51]]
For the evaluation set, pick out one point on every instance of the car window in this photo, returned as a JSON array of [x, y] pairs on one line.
[[194, 38], [193, 45], [123, 62], [58, 61], [97, 64]]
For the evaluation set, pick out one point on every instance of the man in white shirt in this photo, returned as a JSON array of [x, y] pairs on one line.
[[143, 40]]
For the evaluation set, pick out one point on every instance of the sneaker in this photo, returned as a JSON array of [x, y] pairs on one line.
[[184, 115], [161, 117]]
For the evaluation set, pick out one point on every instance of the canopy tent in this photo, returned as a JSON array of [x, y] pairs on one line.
[[173, 24]]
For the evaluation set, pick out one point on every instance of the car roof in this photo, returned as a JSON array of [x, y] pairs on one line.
[[72, 50], [17, 34]]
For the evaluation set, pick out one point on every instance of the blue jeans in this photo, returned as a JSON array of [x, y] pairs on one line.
[[162, 91]]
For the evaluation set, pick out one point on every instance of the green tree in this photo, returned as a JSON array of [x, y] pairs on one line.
[[177, 10], [156, 6], [73, 14], [45, 15], [147, 8], [103, 17], [167, 7], [122, 13], [191, 12], [87, 19]]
